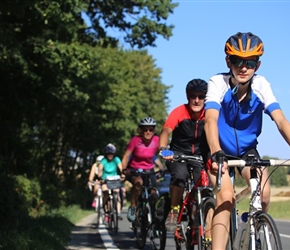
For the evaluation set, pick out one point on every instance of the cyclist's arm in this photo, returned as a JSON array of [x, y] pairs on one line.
[[126, 158], [92, 172], [282, 123], [211, 130], [212, 135], [159, 164], [100, 170], [163, 138]]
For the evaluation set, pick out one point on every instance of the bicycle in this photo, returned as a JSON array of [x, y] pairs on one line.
[[99, 202], [196, 210], [113, 184], [260, 232], [144, 223]]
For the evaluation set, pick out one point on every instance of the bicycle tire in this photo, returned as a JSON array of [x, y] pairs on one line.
[[140, 226], [233, 229], [157, 237], [110, 210], [207, 206], [114, 215], [266, 227], [99, 211]]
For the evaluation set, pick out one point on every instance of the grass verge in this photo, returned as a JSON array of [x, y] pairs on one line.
[[277, 209], [48, 232]]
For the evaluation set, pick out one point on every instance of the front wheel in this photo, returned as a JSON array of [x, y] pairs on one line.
[[157, 237], [114, 214], [266, 232], [206, 214], [140, 226]]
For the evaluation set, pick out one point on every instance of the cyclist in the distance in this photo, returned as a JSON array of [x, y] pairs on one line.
[[93, 174], [235, 103], [110, 165], [186, 124], [139, 154]]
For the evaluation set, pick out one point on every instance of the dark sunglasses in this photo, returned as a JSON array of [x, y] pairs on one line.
[[147, 129], [200, 97], [238, 62]]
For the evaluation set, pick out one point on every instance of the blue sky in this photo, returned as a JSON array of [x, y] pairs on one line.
[[196, 50]]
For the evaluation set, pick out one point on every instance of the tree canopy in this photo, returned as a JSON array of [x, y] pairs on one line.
[[67, 89]]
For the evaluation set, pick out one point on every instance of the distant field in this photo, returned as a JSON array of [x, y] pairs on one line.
[[279, 206]]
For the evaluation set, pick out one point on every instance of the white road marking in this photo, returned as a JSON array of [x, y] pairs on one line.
[[285, 235], [106, 238]]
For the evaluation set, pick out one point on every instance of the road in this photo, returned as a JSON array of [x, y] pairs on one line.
[[86, 236]]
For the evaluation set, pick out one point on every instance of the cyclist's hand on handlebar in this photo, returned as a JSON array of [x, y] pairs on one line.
[[126, 171], [166, 154], [90, 184], [214, 168], [217, 157]]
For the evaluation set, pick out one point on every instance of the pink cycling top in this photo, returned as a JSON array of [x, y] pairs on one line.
[[142, 155]]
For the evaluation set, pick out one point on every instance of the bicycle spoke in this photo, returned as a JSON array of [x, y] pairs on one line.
[[267, 235], [157, 237]]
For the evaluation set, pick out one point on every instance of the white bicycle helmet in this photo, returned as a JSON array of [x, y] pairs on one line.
[[100, 157], [147, 121]]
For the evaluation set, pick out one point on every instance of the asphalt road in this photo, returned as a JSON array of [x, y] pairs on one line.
[[86, 236]]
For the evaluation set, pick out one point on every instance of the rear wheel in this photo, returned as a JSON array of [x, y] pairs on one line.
[[140, 226], [266, 233]]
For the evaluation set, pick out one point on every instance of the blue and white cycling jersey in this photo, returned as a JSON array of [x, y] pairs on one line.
[[240, 124]]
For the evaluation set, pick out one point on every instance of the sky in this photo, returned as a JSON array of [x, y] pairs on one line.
[[196, 50]]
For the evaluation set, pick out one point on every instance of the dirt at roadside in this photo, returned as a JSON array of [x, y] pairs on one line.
[[277, 193]]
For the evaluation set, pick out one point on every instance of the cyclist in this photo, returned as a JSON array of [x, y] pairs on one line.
[[234, 106], [139, 154], [110, 165], [93, 173], [186, 123]]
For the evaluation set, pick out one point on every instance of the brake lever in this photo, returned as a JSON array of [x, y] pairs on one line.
[[218, 185]]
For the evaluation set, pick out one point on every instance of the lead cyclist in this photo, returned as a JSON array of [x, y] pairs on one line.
[[235, 103]]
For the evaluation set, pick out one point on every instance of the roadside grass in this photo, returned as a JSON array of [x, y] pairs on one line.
[[277, 209], [48, 232]]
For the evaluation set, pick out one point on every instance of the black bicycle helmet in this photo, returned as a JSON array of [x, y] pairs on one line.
[[197, 85], [147, 121], [244, 45], [110, 149]]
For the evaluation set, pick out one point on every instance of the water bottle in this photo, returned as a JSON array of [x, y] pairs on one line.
[[239, 239]]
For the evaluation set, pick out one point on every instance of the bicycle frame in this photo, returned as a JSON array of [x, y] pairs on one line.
[[144, 219], [197, 223], [99, 197], [255, 208]]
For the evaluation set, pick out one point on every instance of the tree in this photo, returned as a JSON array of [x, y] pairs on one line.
[[140, 22], [63, 96]]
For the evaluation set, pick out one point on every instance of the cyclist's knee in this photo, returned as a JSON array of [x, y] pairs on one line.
[[226, 196]]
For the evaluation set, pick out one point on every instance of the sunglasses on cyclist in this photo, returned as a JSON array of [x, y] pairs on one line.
[[239, 62], [147, 129], [200, 97]]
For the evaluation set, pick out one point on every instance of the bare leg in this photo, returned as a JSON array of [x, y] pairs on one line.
[[136, 190], [265, 187], [221, 220], [176, 194]]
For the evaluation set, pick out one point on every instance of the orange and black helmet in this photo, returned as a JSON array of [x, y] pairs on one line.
[[244, 45]]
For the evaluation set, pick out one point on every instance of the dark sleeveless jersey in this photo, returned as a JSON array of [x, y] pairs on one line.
[[188, 136]]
